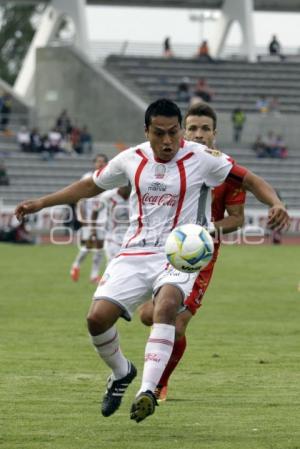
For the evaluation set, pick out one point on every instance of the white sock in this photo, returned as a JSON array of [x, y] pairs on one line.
[[82, 253], [97, 259], [157, 354], [107, 346]]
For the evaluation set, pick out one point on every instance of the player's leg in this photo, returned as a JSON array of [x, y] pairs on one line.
[[146, 316], [82, 238], [179, 347], [80, 257], [145, 312], [101, 320], [158, 349], [174, 288], [98, 255], [192, 303], [161, 339], [113, 298]]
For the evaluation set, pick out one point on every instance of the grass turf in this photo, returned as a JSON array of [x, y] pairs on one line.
[[237, 387]]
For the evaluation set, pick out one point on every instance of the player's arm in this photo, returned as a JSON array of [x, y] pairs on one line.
[[233, 221], [85, 188], [278, 217]]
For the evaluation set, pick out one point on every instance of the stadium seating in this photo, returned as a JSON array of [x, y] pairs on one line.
[[30, 176], [234, 82]]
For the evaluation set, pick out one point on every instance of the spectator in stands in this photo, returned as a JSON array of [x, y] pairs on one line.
[[259, 146], [202, 92], [167, 49], [86, 140], [203, 53], [274, 107], [23, 139], [274, 46], [54, 143], [63, 124], [6, 105], [262, 104], [271, 144], [37, 143], [4, 179], [238, 118], [75, 139], [282, 147], [183, 90]]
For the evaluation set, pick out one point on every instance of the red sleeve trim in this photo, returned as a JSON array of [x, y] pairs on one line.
[[236, 175]]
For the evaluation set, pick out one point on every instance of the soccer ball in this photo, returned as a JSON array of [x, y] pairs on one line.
[[189, 248]]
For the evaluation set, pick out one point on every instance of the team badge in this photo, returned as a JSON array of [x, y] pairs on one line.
[[160, 171], [215, 153]]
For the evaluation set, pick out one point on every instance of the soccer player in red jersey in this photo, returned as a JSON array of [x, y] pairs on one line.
[[201, 126]]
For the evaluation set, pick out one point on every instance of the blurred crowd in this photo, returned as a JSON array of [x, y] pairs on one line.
[[272, 145], [63, 138]]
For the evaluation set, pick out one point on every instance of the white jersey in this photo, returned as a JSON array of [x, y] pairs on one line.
[[86, 207], [117, 210], [164, 194]]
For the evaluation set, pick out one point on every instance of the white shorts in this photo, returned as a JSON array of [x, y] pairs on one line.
[[112, 249], [132, 278], [85, 233]]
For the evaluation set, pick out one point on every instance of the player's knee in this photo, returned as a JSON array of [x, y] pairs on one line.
[[96, 323], [102, 316], [146, 313], [93, 324], [146, 319], [165, 310]]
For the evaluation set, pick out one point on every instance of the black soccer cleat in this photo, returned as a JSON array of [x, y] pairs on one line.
[[115, 391], [143, 406]]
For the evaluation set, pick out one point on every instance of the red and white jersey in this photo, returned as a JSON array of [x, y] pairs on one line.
[[117, 211], [164, 194]]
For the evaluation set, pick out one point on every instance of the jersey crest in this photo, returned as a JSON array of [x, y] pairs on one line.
[[215, 153]]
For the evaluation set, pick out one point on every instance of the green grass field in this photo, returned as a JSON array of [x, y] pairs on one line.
[[238, 386]]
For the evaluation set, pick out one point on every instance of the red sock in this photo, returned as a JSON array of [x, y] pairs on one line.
[[177, 353]]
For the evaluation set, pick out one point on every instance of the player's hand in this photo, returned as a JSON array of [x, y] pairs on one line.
[[278, 218], [27, 207]]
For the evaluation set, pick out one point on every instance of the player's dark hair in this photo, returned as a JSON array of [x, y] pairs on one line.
[[101, 155], [164, 107], [201, 109]]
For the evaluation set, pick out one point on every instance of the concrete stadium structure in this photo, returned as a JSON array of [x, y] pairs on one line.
[[57, 10], [42, 85]]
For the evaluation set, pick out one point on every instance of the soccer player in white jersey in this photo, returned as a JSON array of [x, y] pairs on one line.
[[117, 218], [171, 180], [91, 234], [200, 123]]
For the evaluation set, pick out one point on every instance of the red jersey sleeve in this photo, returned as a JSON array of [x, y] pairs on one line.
[[234, 191], [236, 175], [234, 195]]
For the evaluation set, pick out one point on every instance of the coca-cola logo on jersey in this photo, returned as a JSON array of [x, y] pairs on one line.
[[166, 199]]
